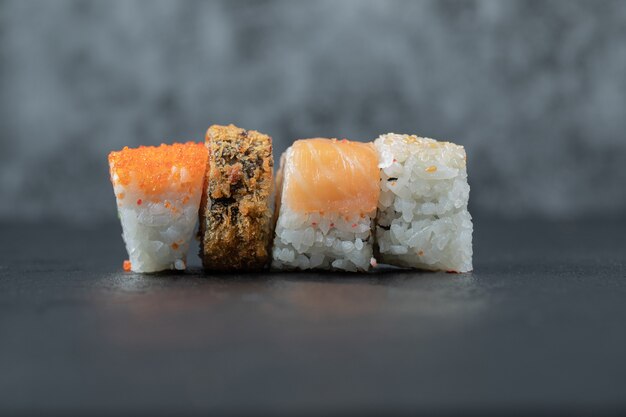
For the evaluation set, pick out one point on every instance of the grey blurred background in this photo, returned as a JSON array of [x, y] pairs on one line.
[[536, 91]]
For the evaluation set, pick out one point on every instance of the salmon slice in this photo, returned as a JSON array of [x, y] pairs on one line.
[[333, 176]]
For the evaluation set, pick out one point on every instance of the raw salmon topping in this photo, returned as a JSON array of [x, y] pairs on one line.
[[328, 175], [155, 169]]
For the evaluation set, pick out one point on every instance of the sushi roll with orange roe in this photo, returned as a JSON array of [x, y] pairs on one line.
[[158, 192]]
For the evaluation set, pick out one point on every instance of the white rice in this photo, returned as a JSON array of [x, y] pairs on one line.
[[329, 241], [157, 237], [422, 219]]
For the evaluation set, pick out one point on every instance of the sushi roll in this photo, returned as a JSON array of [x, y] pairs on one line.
[[327, 193], [236, 208], [422, 220], [158, 192]]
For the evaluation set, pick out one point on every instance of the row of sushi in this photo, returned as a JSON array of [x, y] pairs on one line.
[[334, 204]]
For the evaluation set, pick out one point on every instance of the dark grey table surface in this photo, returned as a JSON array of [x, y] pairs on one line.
[[539, 326]]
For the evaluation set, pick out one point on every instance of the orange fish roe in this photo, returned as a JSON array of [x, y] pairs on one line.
[[156, 169], [126, 265], [431, 168]]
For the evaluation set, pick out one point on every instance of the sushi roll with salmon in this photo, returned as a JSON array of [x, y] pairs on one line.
[[327, 194], [158, 192], [422, 220], [236, 210]]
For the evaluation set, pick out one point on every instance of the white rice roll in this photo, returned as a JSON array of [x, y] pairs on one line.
[[422, 219]]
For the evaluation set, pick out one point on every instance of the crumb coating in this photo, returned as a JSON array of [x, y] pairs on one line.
[[235, 212]]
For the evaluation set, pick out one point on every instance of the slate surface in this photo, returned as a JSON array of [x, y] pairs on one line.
[[540, 326]]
